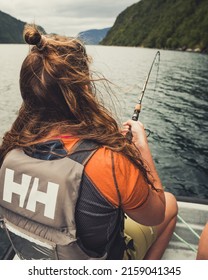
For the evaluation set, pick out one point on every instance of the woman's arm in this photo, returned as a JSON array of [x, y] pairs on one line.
[[153, 210]]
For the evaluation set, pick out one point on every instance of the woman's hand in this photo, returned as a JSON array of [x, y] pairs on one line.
[[138, 133]]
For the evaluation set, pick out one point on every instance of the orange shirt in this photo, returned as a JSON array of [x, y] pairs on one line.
[[132, 187]]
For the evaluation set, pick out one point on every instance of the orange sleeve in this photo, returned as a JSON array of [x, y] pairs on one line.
[[131, 185]]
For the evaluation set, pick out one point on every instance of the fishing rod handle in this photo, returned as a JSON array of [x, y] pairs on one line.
[[129, 136], [135, 117], [137, 111]]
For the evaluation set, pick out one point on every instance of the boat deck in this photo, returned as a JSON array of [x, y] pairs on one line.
[[191, 220]]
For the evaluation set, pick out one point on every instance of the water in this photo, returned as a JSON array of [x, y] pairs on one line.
[[175, 113]]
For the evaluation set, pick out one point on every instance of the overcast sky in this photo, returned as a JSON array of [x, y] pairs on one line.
[[66, 17]]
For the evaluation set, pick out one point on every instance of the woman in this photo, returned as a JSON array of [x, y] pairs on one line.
[[70, 181]]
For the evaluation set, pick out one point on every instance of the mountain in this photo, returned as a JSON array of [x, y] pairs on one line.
[[163, 24], [11, 29], [93, 36]]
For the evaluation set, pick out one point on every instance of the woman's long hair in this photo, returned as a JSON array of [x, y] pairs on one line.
[[59, 94]]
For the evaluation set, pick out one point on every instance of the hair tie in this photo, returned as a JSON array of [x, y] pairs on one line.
[[42, 43]]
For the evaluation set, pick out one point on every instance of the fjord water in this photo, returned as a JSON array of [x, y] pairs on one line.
[[175, 109]]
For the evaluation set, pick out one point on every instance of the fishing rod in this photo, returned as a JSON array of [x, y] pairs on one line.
[[138, 106]]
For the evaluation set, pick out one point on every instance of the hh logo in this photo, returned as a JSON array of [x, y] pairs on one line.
[[48, 198]]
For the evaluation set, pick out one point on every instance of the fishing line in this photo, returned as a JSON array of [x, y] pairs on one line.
[[138, 106]]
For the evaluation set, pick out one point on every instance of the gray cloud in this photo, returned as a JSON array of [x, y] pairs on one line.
[[92, 8], [67, 17]]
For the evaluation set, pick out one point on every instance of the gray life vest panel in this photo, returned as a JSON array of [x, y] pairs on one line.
[[37, 205]]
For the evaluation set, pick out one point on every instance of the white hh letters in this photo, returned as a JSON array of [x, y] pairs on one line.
[[48, 198]]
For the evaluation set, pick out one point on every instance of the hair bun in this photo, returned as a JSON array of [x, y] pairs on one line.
[[31, 35]]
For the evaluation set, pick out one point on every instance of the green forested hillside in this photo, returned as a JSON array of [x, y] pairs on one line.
[[168, 24], [11, 29]]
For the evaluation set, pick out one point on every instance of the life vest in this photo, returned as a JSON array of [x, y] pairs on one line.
[[38, 201]]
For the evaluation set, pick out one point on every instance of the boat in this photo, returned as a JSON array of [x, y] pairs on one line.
[[192, 217]]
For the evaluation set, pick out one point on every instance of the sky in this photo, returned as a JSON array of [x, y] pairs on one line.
[[66, 17]]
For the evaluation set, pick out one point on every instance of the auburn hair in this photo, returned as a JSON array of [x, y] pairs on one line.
[[59, 94]]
